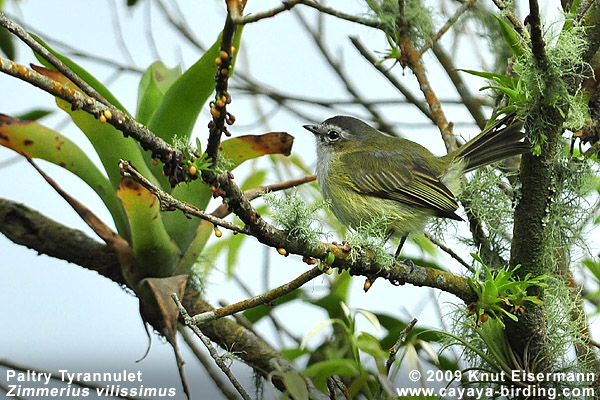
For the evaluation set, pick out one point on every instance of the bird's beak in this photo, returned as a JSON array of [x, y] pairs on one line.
[[312, 128]]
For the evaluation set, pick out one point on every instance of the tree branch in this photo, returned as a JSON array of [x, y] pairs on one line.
[[412, 59], [33, 230], [211, 350], [391, 78], [171, 157], [222, 96], [269, 296]]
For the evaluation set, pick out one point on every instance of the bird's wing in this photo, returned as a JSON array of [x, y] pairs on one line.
[[415, 186]]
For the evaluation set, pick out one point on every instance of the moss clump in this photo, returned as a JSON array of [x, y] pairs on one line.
[[369, 238], [489, 197], [417, 19], [552, 88], [296, 217]]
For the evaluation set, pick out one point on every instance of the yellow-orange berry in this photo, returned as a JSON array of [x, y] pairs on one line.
[[193, 170], [107, 114], [218, 61], [282, 251], [220, 103], [367, 285], [218, 232], [233, 49], [214, 111], [224, 55], [102, 119], [224, 71]]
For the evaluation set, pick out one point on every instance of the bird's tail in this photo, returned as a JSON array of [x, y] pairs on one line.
[[501, 140]]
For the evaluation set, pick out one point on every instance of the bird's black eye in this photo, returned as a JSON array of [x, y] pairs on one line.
[[333, 135]]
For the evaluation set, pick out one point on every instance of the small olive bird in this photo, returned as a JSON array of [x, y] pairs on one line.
[[366, 174]]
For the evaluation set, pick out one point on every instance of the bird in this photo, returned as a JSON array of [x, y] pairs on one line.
[[365, 174]]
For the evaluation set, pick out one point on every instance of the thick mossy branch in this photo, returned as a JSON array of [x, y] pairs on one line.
[[31, 229], [528, 337]]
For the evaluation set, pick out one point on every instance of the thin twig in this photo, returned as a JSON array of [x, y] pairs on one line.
[[181, 26], [169, 203], [51, 58], [396, 346], [170, 156], [287, 5], [148, 30], [212, 351], [333, 382], [449, 251], [68, 49], [243, 321], [208, 366], [222, 211], [330, 103], [222, 97], [451, 21], [412, 59], [269, 296], [119, 32], [274, 320]]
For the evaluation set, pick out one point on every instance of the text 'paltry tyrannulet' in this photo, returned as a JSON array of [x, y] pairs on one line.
[[365, 174]]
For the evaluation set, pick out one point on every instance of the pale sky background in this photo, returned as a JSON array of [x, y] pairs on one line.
[[60, 316]]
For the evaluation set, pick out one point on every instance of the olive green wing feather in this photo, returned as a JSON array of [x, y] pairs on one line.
[[415, 186]]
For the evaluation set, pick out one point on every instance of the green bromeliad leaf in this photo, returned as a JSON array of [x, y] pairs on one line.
[[181, 104], [155, 82], [37, 141], [109, 143], [81, 72], [154, 249]]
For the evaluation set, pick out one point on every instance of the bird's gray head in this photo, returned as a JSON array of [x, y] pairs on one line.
[[337, 131]]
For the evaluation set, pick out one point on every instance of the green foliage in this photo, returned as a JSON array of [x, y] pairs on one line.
[[500, 291], [486, 347], [417, 18], [296, 217], [349, 364], [533, 90], [155, 82], [550, 88], [369, 239], [7, 45]]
